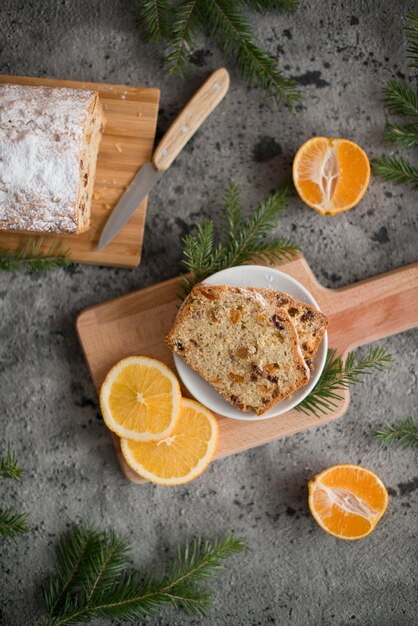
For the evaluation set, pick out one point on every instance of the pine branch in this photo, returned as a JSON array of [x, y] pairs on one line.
[[9, 467], [396, 169], [250, 241], [183, 28], [411, 31], [226, 21], [337, 376], [30, 256], [404, 433], [72, 565], [12, 524], [246, 239], [178, 23], [200, 257], [283, 6], [276, 250], [405, 135], [91, 580], [153, 18], [233, 212], [401, 99]]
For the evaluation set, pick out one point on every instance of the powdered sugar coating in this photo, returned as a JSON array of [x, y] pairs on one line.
[[41, 137]]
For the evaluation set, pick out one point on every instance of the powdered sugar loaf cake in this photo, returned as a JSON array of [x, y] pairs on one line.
[[49, 141], [243, 345]]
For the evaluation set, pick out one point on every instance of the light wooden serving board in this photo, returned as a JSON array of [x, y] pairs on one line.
[[358, 314], [127, 143]]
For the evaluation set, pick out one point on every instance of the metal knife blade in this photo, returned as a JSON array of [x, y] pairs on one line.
[[142, 183], [205, 100]]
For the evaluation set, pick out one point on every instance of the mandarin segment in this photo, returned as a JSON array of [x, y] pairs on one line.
[[331, 175], [140, 399], [347, 501], [335, 518], [181, 456]]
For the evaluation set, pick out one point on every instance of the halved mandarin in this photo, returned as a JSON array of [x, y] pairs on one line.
[[347, 501], [331, 175], [140, 399], [181, 456]]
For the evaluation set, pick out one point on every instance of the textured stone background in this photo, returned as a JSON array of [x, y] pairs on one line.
[[341, 53]]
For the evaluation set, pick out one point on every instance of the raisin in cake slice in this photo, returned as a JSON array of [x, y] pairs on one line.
[[310, 324], [244, 346]]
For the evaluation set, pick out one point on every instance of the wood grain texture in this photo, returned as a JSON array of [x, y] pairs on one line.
[[127, 143], [191, 118], [358, 314]]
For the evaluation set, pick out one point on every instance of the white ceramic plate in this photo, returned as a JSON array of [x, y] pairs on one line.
[[253, 276]]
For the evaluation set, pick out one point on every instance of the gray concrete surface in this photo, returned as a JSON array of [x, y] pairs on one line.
[[341, 53]]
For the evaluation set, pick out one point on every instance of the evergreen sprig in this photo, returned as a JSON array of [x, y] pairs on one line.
[[185, 25], [92, 579], [12, 524], [232, 27], [396, 170], [338, 375], [31, 255], [178, 24], [411, 30], [402, 100], [153, 18], [404, 134], [404, 433], [284, 6], [9, 467], [246, 239]]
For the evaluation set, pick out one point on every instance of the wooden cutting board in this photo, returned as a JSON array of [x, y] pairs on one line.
[[358, 314], [127, 143]]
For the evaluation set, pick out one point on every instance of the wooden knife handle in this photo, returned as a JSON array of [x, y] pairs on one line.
[[191, 117]]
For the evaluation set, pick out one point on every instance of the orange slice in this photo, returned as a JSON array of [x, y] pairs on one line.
[[140, 399], [331, 175], [347, 501], [183, 455]]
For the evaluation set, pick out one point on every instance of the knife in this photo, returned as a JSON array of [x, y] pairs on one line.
[[181, 130]]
